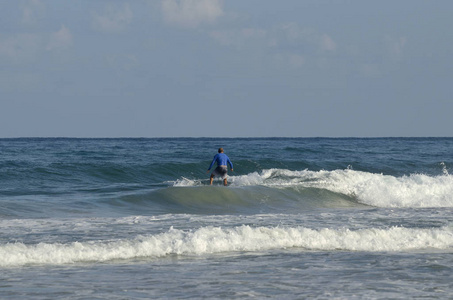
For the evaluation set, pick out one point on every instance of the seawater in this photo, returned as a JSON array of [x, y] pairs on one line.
[[301, 218]]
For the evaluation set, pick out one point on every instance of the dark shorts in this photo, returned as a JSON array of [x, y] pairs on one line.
[[221, 171]]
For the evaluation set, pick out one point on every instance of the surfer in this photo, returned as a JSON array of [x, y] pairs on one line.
[[222, 169]]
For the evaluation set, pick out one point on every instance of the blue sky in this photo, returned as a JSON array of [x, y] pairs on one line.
[[232, 68]]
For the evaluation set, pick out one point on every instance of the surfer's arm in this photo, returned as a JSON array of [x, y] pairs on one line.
[[213, 162], [231, 164]]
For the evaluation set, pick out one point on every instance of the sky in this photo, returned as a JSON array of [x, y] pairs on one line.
[[231, 68]]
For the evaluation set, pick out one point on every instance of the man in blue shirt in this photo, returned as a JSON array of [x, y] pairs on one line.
[[222, 169]]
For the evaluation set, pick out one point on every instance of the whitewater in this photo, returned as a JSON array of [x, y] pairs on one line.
[[301, 218]]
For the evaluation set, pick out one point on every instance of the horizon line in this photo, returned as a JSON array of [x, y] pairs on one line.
[[225, 137]]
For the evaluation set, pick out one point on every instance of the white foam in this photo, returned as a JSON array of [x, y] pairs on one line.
[[209, 240], [416, 190], [186, 182]]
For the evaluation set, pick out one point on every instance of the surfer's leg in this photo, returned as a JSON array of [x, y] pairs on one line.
[[225, 183], [211, 179]]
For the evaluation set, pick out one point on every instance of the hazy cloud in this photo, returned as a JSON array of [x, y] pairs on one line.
[[395, 46], [327, 43], [296, 61], [113, 19], [369, 70], [122, 63], [285, 35], [26, 47], [287, 44], [60, 39], [191, 13], [238, 37], [20, 48], [31, 11], [292, 33]]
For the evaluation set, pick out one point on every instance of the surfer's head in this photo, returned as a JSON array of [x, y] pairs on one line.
[[220, 150]]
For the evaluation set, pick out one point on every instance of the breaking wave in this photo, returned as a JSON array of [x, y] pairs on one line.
[[344, 186], [211, 240]]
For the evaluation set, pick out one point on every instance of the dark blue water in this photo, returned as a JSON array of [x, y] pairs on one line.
[[316, 218]]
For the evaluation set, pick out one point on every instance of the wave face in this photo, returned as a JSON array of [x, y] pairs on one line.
[[243, 200]]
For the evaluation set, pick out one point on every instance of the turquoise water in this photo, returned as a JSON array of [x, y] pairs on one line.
[[301, 218]]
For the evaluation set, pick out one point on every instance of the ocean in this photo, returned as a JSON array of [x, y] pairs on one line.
[[301, 218]]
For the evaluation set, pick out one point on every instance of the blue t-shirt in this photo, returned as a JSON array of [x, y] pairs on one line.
[[221, 159]]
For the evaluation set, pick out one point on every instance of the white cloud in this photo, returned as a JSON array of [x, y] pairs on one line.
[[191, 13], [114, 19], [60, 39]]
